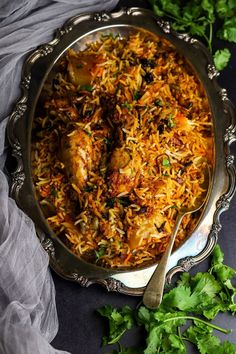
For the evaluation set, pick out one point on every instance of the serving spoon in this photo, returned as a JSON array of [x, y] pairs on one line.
[[154, 290]]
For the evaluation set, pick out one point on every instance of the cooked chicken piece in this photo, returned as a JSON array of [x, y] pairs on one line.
[[119, 159], [81, 67], [144, 228], [77, 155], [124, 172]]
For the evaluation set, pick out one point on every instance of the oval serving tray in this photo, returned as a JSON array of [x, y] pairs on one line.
[[77, 32]]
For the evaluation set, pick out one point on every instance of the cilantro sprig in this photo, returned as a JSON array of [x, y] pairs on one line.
[[193, 302], [198, 17]]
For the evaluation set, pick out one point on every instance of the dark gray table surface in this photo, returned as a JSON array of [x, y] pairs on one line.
[[81, 328]]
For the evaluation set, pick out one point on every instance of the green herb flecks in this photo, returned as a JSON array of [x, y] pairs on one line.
[[171, 122], [136, 95], [110, 202], [158, 103], [110, 35], [88, 88], [90, 188], [126, 105], [108, 141], [88, 132], [54, 192], [125, 201], [100, 252], [166, 162]]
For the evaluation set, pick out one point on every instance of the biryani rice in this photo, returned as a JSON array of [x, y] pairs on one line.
[[147, 128]]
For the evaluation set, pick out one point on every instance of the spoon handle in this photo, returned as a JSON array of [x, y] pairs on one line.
[[154, 291]]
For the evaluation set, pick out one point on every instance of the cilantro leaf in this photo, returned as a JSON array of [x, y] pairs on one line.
[[204, 283], [223, 275], [160, 342], [217, 256], [221, 58], [191, 11], [208, 6], [199, 293], [180, 298], [222, 272], [119, 322], [161, 328], [170, 319], [158, 10], [171, 7], [228, 31], [201, 335], [144, 317], [225, 8]]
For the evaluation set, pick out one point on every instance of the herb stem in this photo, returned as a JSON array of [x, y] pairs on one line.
[[177, 19], [186, 23], [207, 41], [187, 340], [223, 330], [114, 340], [210, 36], [180, 335]]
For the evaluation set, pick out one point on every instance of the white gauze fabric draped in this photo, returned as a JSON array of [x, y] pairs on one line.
[[28, 317]]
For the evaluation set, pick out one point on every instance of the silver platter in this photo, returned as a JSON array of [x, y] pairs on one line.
[[77, 32]]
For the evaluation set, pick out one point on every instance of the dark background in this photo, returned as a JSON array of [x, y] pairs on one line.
[[81, 328]]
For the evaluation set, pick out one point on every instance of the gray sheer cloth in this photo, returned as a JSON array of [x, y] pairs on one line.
[[28, 317]]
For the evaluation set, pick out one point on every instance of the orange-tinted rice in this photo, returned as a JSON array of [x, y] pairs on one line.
[[143, 99]]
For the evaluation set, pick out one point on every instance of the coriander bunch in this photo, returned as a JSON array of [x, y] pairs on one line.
[[194, 302], [198, 17]]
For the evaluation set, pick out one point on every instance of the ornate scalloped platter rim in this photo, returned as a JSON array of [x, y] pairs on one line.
[[199, 245]]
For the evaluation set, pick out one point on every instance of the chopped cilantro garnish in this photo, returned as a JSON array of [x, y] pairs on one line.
[[108, 141], [171, 122], [137, 95], [88, 132], [110, 202], [89, 188], [173, 207], [126, 105], [122, 200], [166, 162], [158, 103], [54, 192], [100, 252], [88, 88], [125, 201], [110, 35]]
